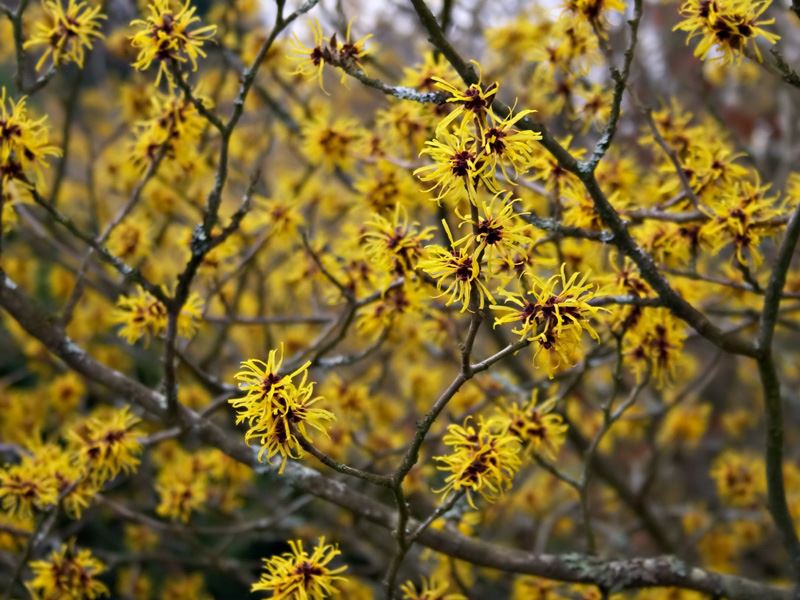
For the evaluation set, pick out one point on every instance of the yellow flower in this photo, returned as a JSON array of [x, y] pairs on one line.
[[187, 587], [133, 584], [175, 125], [729, 26], [740, 479], [461, 268], [793, 188], [528, 587], [24, 142], [552, 313], [282, 215], [46, 472], [107, 444], [141, 316], [595, 11], [740, 215], [423, 76], [11, 197], [503, 144], [144, 316], [483, 460], [595, 106], [166, 36], [275, 407], [404, 127], [131, 240], [27, 486], [311, 60], [473, 104], [654, 345], [395, 246], [431, 589], [298, 575], [68, 32], [685, 425], [458, 166], [489, 144], [182, 485], [498, 230], [383, 185], [68, 574], [331, 143], [579, 209], [535, 425], [384, 315], [65, 392]]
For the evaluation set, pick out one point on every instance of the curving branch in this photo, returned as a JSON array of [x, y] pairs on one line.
[[773, 402]]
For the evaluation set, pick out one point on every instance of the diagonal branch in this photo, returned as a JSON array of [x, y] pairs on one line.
[[608, 214]]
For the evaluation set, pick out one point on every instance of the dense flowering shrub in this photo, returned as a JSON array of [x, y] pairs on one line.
[[495, 301]]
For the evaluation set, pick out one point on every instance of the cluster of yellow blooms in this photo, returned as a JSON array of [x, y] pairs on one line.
[[298, 574], [484, 459], [729, 27], [24, 141], [553, 319], [276, 408], [144, 316], [69, 574], [189, 482], [67, 33], [169, 37], [393, 246], [95, 451]]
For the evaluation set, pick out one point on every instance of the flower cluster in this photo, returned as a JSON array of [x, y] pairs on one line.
[[472, 143], [311, 60], [497, 231], [392, 283], [484, 459], [276, 408], [731, 27], [457, 167], [741, 216], [395, 246], [169, 37], [144, 316], [24, 141], [740, 479], [190, 482], [535, 425], [107, 444], [331, 143], [28, 486], [96, 450], [552, 314], [69, 573], [173, 129], [299, 575], [397, 306], [458, 268], [655, 346], [68, 32]]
